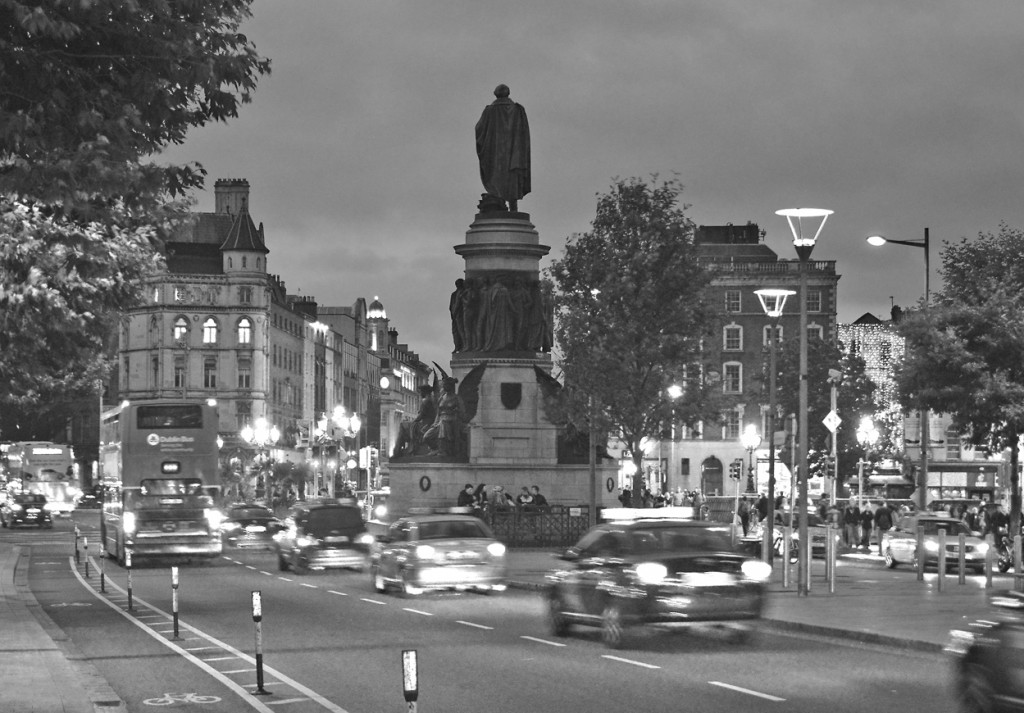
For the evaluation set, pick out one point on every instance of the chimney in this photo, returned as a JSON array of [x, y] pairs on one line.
[[231, 196]]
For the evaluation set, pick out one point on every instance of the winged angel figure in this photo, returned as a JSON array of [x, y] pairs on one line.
[[449, 435]]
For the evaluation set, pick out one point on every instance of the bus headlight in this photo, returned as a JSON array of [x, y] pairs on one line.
[[496, 549], [128, 519], [757, 570], [380, 512]]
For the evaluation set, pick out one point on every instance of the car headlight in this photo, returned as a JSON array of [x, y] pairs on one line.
[[496, 549], [305, 541], [15, 507], [365, 539], [931, 546], [981, 548], [50, 507], [425, 552], [128, 521], [756, 570], [651, 572], [214, 517], [380, 512], [230, 526]]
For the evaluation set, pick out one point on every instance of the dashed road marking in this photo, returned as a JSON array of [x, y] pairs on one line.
[[749, 692]]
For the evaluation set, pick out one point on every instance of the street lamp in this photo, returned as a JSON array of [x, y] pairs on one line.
[[750, 440], [804, 245], [772, 301], [261, 434], [350, 425], [867, 436], [922, 477]]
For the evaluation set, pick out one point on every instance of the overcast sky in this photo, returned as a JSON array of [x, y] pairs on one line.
[[359, 147]]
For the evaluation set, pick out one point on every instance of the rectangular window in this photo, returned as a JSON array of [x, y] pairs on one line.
[[244, 377], [732, 378], [813, 300], [210, 373], [179, 373], [732, 425], [767, 335], [245, 295], [733, 339], [732, 301], [179, 294], [156, 372]]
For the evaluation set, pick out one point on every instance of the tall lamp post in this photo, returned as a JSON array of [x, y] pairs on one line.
[[922, 477], [867, 436], [262, 435], [772, 301], [804, 244], [350, 425], [750, 440]]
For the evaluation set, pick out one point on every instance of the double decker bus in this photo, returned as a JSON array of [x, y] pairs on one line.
[[158, 469], [47, 469]]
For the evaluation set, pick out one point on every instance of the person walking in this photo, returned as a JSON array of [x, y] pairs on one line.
[[867, 521], [743, 512], [883, 522], [851, 521]]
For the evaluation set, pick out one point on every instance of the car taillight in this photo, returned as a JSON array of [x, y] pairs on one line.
[[128, 520]]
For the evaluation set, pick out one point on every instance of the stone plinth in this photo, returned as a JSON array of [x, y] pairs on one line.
[[502, 241]]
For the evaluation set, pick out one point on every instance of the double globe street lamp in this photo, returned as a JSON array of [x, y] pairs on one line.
[[262, 435]]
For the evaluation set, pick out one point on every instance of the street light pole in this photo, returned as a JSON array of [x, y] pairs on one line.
[[772, 301], [804, 245], [867, 436], [922, 477]]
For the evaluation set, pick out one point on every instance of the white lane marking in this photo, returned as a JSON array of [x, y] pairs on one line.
[[747, 691], [542, 641], [286, 700], [340, 594], [269, 574], [200, 648], [372, 601], [306, 584], [249, 566], [629, 661], [478, 626], [243, 693], [417, 611], [240, 670], [220, 658], [285, 579]]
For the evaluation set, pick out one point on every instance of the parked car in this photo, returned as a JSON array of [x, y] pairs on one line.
[[817, 532], [899, 545], [25, 509], [671, 573], [250, 526], [438, 551], [987, 658], [323, 534]]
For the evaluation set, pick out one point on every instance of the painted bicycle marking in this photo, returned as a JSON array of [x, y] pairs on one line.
[[172, 698]]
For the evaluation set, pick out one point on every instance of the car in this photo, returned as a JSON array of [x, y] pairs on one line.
[[817, 532], [899, 545], [323, 534], [249, 526], [987, 657], [438, 551], [88, 501], [667, 573], [26, 509]]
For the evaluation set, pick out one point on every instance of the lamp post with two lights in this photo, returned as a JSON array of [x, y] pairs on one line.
[[772, 301], [750, 440], [263, 435], [922, 477], [804, 244], [867, 436]]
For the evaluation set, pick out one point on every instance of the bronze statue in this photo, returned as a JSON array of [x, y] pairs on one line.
[[410, 432], [503, 147]]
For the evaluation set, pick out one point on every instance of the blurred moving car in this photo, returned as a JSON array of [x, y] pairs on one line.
[[88, 501], [250, 526], [817, 532], [323, 534], [438, 551], [987, 658], [899, 545], [658, 572], [25, 509]]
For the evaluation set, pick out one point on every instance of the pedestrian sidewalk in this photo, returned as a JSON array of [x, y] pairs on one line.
[[872, 605], [42, 672]]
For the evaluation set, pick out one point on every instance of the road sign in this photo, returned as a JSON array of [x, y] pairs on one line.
[[832, 421]]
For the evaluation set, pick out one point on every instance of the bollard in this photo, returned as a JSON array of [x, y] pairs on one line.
[[78, 558], [85, 548], [103, 572], [174, 599], [920, 553], [787, 539], [990, 556], [831, 549], [1016, 555], [942, 557], [410, 679], [961, 547], [128, 566], [257, 618]]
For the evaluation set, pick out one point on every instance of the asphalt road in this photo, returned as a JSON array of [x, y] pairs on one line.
[[330, 643]]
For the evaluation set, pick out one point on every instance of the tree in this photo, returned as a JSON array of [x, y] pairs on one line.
[[631, 318], [854, 399], [89, 90], [965, 353]]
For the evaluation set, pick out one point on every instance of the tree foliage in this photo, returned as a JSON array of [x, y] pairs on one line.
[[965, 353], [854, 400], [631, 317], [88, 91]]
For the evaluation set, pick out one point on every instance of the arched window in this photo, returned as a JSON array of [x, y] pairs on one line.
[[229, 262], [210, 331], [244, 331], [180, 329]]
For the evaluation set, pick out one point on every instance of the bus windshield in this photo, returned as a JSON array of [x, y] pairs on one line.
[[169, 416], [172, 486]]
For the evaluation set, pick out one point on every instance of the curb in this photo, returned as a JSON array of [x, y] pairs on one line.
[[102, 696]]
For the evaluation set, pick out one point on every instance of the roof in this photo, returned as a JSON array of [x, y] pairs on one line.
[[243, 235]]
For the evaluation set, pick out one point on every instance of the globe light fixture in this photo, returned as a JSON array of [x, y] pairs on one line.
[[803, 241], [867, 436]]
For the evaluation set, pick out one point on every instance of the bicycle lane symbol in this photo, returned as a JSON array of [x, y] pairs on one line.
[[171, 698]]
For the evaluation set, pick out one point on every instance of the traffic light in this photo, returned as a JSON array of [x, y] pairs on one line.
[[736, 469]]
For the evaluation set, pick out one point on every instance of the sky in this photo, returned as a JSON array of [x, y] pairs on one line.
[[360, 152]]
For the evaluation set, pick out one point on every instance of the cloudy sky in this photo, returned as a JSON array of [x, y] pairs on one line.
[[359, 147]]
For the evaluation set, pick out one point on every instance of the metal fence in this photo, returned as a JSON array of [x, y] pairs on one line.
[[557, 526]]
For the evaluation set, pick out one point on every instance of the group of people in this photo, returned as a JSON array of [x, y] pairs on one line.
[[675, 498], [859, 520], [529, 499]]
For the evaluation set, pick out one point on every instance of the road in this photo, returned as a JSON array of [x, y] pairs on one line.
[[330, 643]]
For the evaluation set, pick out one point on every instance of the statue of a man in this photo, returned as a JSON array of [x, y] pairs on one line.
[[503, 147]]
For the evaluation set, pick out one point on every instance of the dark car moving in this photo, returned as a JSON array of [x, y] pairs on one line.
[[25, 509], [250, 526]]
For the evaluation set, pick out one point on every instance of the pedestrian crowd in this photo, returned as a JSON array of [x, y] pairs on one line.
[[477, 499]]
